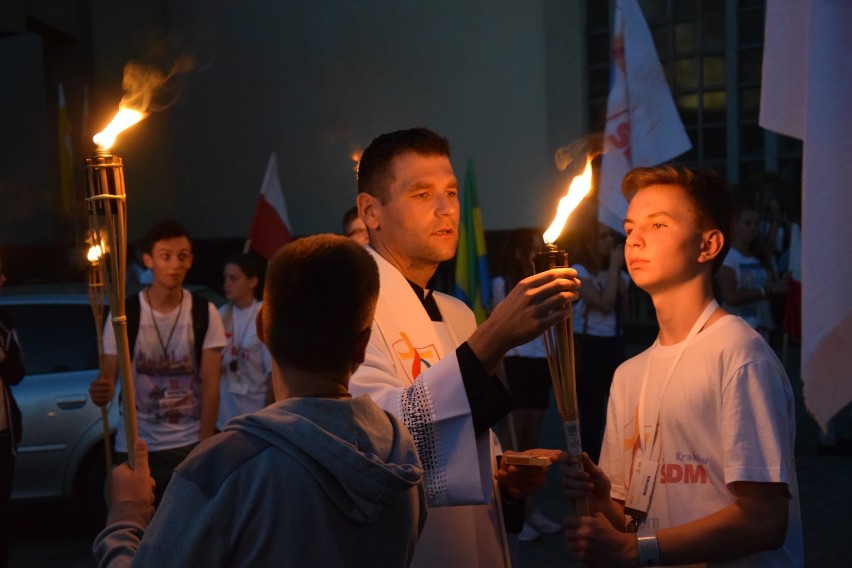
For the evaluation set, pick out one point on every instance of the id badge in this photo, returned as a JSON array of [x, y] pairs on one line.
[[641, 488], [238, 387]]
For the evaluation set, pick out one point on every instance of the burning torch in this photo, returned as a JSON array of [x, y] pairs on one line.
[[97, 295], [559, 339], [107, 210]]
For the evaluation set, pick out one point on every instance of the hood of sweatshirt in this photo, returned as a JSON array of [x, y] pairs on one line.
[[362, 457]]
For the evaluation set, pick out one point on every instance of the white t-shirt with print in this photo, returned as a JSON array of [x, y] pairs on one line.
[[168, 389], [727, 415]]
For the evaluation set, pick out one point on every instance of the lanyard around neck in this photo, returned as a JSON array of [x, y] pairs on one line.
[[696, 327], [249, 321]]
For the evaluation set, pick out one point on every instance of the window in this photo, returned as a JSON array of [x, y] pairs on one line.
[[55, 337], [712, 54]]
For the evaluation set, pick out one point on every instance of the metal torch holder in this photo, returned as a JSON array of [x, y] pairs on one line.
[[559, 347], [107, 210]]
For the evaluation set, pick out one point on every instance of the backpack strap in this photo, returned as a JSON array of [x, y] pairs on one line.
[[132, 311], [200, 322]]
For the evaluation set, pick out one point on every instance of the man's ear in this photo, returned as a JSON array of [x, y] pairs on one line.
[[711, 245], [359, 351], [368, 206], [147, 260], [258, 325]]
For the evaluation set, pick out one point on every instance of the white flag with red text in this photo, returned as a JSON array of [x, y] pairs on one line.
[[643, 127], [270, 227], [805, 93]]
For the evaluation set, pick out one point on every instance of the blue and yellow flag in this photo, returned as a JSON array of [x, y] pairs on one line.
[[473, 285]]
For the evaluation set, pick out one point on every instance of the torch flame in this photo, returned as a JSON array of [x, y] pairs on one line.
[[579, 189], [124, 118], [94, 254]]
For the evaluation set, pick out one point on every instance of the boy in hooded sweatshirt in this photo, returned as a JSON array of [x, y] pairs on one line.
[[317, 479]]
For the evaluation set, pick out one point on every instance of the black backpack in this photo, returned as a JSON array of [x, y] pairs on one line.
[[200, 321]]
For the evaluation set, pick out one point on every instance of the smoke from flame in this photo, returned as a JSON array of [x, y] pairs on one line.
[[146, 90], [590, 147]]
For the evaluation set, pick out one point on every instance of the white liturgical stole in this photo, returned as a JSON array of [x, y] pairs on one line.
[[411, 370]]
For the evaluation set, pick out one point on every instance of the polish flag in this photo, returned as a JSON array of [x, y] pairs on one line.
[[270, 227]]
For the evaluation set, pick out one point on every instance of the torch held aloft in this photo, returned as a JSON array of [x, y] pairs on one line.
[[107, 208], [559, 347]]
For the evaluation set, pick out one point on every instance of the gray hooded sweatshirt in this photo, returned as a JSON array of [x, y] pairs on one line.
[[304, 482]]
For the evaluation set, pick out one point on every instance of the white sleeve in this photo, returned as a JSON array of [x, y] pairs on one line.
[[215, 337], [435, 410], [758, 424]]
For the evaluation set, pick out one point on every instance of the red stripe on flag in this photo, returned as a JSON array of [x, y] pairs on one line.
[[268, 231]]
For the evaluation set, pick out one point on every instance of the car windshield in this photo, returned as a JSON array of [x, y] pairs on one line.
[[55, 337]]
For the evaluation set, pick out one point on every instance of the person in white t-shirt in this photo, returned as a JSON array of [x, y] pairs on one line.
[[746, 279], [697, 463], [245, 385], [176, 396]]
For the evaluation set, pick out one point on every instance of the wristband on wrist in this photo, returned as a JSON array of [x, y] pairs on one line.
[[649, 550]]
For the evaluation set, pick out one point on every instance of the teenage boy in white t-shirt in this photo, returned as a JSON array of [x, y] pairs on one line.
[[698, 448], [177, 397]]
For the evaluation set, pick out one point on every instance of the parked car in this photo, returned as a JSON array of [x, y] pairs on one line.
[[61, 454]]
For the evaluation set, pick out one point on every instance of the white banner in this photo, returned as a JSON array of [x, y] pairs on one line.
[[643, 127], [806, 93]]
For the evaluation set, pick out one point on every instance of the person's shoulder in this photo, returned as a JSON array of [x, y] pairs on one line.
[[364, 405], [739, 343], [635, 365], [197, 297], [216, 458], [453, 308], [735, 331], [732, 258], [451, 302]]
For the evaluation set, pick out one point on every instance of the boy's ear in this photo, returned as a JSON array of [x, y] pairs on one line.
[[711, 245], [147, 260]]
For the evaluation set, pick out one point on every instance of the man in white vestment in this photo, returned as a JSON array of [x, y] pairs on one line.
[[429, 364]]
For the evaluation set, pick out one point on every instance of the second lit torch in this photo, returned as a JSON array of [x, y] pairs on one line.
[[559, 339]]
